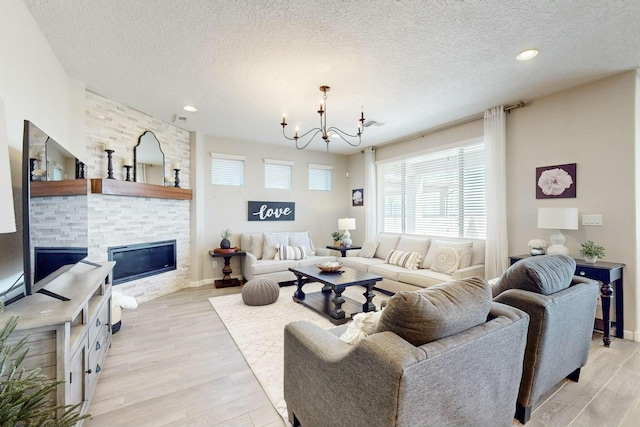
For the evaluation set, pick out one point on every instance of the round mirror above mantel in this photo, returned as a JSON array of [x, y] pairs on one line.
[[148, 160]]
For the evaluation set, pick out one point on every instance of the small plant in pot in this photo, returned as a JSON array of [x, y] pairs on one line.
[[591, 252], [225, 243], [337, 237]]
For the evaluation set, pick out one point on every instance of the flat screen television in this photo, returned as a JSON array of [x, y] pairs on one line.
[[49, 222]]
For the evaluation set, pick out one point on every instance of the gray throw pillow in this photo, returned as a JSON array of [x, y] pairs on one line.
[[544, 274], [437, 312]]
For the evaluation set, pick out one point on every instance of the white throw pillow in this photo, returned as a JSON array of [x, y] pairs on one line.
[[446, 260], [414, 244], [302, 239], [289, 252], [465, 257], [386, 242], [409, 260], [255, 245], [361, 326], [369, 249], [270, 242]]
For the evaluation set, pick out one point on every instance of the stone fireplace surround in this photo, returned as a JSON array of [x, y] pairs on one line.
[[122, 220]]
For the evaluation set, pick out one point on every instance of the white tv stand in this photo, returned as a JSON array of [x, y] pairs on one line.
[[68, 340]]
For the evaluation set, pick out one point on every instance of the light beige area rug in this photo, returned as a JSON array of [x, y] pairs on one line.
[[259, 332]]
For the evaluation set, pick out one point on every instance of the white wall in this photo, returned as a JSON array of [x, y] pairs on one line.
[[223, 207], [34, 87], [594, 126]]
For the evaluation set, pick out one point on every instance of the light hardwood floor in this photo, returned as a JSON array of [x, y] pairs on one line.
[[174, 364]]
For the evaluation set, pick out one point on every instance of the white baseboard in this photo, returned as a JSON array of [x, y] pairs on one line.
[[202, 283]]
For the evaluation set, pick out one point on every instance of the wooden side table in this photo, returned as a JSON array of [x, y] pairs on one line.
[[607, 273], [343, 249], [227, 280]]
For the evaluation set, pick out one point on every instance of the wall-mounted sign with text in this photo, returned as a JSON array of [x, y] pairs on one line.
[[272, 211]]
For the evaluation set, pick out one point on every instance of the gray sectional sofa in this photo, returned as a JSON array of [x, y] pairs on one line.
[[433, 250]]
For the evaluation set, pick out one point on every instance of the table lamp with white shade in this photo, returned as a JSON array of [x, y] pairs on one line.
[[558, 219], [346, 224]]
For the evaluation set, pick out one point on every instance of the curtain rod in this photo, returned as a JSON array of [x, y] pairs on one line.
[[455, 123]]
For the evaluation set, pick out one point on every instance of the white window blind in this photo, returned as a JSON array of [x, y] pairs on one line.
[[277, 174], [227, 169], [438, 194], [320, 177]]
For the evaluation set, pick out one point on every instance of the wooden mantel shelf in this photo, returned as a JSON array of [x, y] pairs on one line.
[[67, 187], [136, 189]]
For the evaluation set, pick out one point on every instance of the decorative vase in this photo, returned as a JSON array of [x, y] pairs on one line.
[[536, 251], [336, 243], [225, 244], [591, 259]]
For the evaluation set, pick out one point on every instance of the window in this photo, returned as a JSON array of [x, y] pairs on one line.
[[277, 174], [438, 194], [227, 169], [320, 177]]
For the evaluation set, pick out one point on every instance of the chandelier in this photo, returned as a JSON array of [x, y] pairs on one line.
[[326, 132]]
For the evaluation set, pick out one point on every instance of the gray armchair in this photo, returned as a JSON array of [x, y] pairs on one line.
[[562, 309], [469, 377]]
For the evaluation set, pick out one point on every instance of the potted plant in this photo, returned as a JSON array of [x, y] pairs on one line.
[[337, 236], [537, 246], [591, 252], [225, 243]]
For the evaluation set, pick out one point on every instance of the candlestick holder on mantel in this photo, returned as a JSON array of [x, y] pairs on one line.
[[177, 178], [128, 168], [109, 164]]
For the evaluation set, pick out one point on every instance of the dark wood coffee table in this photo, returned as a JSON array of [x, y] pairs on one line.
[[330, 302]]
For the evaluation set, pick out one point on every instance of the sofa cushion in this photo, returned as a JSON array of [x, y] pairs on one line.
[[464, 247], [302, 239], [409, 260], [445, 260], [545, 274], [368, 249], [289, 252], [423, 278], [265, 266], [360, 263], [270, 242], [388, 271], [437, 312], [386, 242], [414, 244]]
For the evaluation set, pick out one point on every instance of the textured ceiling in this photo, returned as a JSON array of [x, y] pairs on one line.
[[411, 64]]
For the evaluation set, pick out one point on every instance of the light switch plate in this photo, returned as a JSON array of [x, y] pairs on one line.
[[592, 219]]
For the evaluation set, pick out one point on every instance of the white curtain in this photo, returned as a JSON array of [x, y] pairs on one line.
[[497, 243], [370, 205]]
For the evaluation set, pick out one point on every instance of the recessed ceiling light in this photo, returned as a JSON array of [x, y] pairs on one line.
[[527, 54], [189, 108]]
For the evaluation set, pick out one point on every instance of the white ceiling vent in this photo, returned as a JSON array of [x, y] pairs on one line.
[[179, 119], [373, 123]]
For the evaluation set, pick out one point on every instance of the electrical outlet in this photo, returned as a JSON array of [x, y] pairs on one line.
[[592, 219], [214, 264]]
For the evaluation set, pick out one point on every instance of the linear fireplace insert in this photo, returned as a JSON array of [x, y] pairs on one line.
[[142, 260]]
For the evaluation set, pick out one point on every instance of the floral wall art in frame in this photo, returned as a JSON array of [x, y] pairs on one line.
[[556, 182], [357, 197]]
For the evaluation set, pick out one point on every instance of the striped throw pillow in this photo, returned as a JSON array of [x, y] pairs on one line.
[[409, 260], [289, 252]]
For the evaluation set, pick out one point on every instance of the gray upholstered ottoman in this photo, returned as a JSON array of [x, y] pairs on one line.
[[260, 292]]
